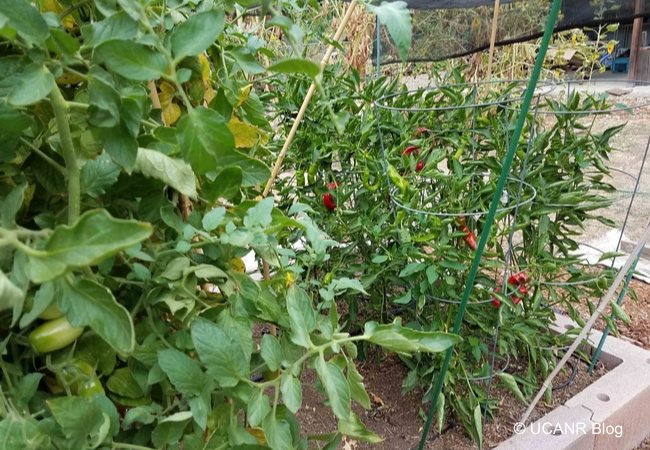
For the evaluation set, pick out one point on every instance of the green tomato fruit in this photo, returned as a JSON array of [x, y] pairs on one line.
[[81, 379], [51, 312], [54, 335]]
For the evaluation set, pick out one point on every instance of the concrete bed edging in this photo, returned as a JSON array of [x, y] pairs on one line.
[[613, 413]]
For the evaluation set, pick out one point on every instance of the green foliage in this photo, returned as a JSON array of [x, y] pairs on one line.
[[127, 221]]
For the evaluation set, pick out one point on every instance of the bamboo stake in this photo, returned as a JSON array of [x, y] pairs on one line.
[[296, 123], [493, 38], [590, 323], [305, 103], [153, 95]]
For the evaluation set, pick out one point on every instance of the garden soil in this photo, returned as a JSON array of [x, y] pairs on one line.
[[396, 417]]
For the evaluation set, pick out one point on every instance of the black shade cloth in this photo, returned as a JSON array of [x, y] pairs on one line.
[[444, 29]]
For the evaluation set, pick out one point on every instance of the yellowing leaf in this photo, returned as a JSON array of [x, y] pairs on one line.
[[167, 91], [208, 92], [68, 78], [171, 112], [258, 434], [243, 94], [237, 264], [246, 135], [205, 66], [55, 7]]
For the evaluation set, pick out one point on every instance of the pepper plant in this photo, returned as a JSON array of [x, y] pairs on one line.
[[409, 234]]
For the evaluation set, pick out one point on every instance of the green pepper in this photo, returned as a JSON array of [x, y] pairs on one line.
[[328, 278], [397, 180], [366, 181], [80, 377], [311, 173], [300, 178], [54, 335]]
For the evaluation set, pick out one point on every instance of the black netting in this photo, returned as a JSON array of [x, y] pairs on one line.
[[444, 29]]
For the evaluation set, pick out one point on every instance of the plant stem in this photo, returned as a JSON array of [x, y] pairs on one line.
[[60, 107], [72, 8], [77, 105], [49, 160], [130, 446]]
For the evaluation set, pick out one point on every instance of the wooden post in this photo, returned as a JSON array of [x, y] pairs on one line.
[[493, 38], [636, 40]]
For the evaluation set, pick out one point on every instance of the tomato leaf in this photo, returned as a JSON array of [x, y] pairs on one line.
[[291, 392], [226, 185], [302, 317], [86, 303], [171, 171], [118, 26], [35, 83], [94, 237], [26, 20], [99, 174], [226, 362], [353, 427], [277, 432], [202, 135], [197, 33], [131, 60], [183, 371], [336, 387], [271, 351], [78, 417]]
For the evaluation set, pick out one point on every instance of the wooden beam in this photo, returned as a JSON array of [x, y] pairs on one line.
[[493, 38], [636, 40]]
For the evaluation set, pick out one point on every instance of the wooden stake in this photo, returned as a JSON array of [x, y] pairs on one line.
[[590, 323], [637, 28], [153, 95], [493, 38]]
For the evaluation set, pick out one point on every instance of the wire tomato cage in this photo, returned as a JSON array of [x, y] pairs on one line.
[[465, 126], [468, 126]]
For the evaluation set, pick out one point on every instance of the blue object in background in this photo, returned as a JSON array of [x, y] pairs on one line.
[[606, 59], [620, 65]]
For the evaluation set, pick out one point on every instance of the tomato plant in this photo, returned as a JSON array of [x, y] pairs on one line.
[[134, 142]]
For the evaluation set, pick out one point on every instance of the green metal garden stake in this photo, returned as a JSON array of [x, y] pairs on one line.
[[525, 106]]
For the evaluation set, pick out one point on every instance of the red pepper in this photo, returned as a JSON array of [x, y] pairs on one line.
[[333, 185], [421, 130], [520, 294], [411, 150], [329, 202], [495, 301], [469, 239], [419, 166], [519, 279]]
